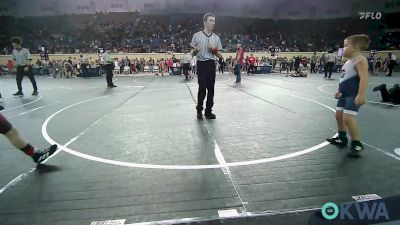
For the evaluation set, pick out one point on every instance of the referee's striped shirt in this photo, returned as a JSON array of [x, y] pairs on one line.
[[21, 57], [107, 58], [330, 57], [201, 39]]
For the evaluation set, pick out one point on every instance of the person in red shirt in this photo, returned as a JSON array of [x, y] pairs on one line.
[[238, 62], [252, 61], [10, 66]]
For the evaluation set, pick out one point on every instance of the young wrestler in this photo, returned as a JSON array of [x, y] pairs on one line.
[[351, 93]]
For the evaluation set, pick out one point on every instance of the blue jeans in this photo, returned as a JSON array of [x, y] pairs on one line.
[[236, 71]]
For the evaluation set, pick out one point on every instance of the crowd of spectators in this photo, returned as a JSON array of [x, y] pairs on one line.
[[172, 33]]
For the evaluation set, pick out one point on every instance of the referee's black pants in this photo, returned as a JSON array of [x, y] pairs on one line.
[[206, 78], [392, 63], [109, 74], [20, 76], [328, 68]]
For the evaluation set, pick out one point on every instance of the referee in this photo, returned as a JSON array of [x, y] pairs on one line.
[[23, 59], [330, 62], [109, 67], [206, 46]]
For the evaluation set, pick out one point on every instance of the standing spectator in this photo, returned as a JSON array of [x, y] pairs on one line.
[[238, 62], [251, 61], [160, 64], [151, 65], [138, 66], [371, 63], [127, 64], [392, 63], [291, 64], [186, 64], [70, 60], [142, 64], [10, 66], [378, 65], [221, 63], [193, 62], [170, 65], [322, 61], [84, 64], [313, 62], [246, 63], [121, 66], [75, 63], [297, 62]]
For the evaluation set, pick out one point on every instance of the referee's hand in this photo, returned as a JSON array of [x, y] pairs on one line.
[[195, 51], [219, 55]]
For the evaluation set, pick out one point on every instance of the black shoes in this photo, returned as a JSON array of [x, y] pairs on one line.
[[355, 150], [338, 141], [18, 93], [380, 87], [210, 116], [43, 154], [199, 115]]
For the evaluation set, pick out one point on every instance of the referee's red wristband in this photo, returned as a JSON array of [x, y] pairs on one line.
[[215, 51]]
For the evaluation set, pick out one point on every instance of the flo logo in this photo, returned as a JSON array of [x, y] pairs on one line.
[[363, 211], [370, 15]]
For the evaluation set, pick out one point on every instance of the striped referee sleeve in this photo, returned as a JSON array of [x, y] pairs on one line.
[[27, 54]]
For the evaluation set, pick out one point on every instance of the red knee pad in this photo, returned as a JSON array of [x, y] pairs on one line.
[[5, 126]]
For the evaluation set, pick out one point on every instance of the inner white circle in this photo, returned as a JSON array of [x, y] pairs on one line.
[[173, 167]]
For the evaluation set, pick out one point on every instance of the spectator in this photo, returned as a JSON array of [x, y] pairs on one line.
[[84, 64], [392, 60], [251, 61]]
